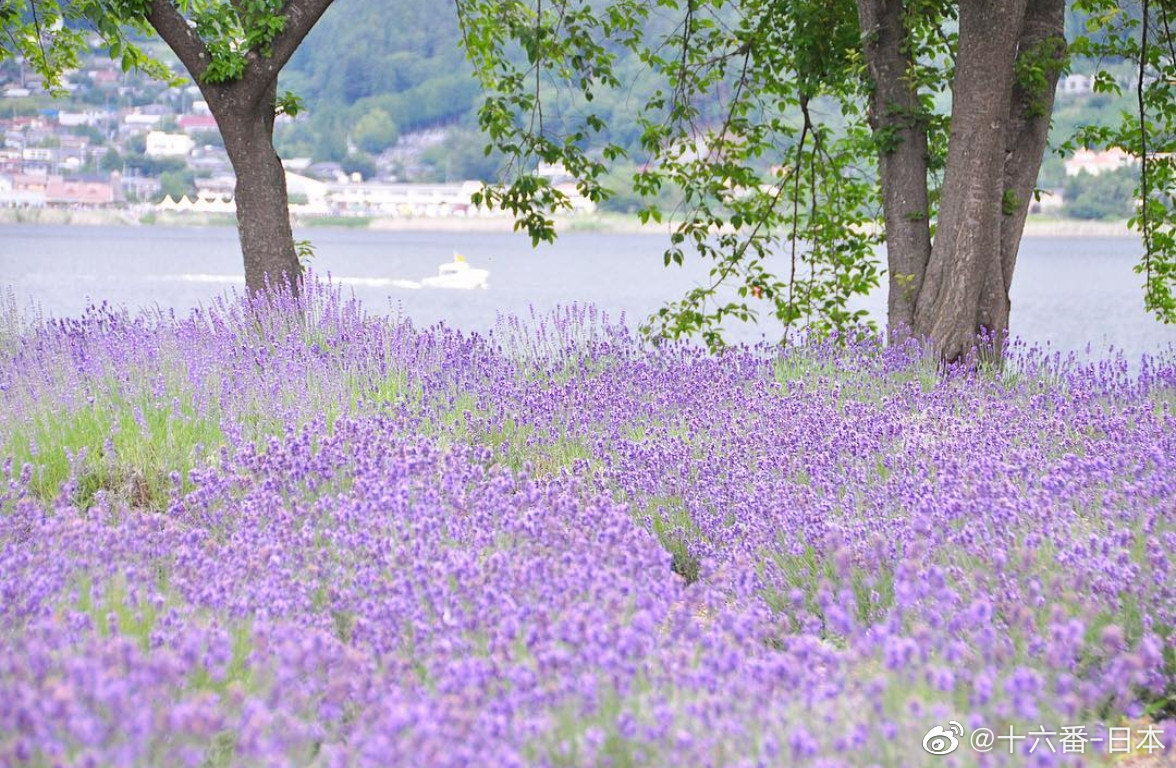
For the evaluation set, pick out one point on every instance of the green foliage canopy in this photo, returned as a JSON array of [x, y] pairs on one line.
[[1105, 196], [759, 121], [51, 34], [409, 66], [375, 131], [755, 119]]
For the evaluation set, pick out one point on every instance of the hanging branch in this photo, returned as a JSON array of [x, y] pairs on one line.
[[1143, 169]]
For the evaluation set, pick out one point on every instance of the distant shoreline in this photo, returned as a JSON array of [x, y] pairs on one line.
[[1076, 228], [604, 223], [599, 223]]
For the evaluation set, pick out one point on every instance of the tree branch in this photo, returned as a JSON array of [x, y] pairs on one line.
[[171, 25], [897, 119], [301, 16], [1144, 192]]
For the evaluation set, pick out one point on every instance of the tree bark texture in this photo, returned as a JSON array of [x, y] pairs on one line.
[[263, 212], [954, 287], [967, 238], [895, 117], [1042, 47]]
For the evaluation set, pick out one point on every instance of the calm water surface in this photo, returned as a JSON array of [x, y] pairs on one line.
[[1070, 293]]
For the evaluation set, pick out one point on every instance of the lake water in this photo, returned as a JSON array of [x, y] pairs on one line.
[[1068, 292]]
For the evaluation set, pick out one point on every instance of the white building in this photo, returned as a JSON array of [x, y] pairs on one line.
[[138, 120], [580, 204], [404, 200], [215, 195], [205, 202], [160, 144], [312, 191], [1075, 85], [74, 119], [23, 191], [1047, 201], [1095, 163]]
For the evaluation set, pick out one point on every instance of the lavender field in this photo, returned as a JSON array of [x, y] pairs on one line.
[[270, 537]]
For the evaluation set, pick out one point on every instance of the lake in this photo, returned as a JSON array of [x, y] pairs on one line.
[[1069, 293]]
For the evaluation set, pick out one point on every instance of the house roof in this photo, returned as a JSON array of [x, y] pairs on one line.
[[78, 191], [197, 123]]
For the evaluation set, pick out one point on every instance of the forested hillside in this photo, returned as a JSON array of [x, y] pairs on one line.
[[372, 69], [375, 69]]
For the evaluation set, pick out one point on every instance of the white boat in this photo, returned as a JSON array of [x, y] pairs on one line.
[[458, 274]]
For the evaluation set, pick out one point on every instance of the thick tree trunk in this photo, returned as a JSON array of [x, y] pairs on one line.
[[1042, 48], [967, 243], [263, 213], [244, 108], [953, 289], [902, 156]]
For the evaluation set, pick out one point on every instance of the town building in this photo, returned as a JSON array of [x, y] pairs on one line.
[[1094, 163], [90, 192], [160, 144], [1075, 85], [190, 124]]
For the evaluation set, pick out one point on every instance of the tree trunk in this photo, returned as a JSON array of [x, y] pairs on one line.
[[953, 289], [244, 107], [895, 114], [1042, 48], [967, 245], [263, 213]]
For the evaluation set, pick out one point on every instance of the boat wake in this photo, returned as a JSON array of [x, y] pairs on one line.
[[367, 282]]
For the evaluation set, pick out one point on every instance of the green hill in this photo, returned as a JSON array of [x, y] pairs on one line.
[[372, 69]]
